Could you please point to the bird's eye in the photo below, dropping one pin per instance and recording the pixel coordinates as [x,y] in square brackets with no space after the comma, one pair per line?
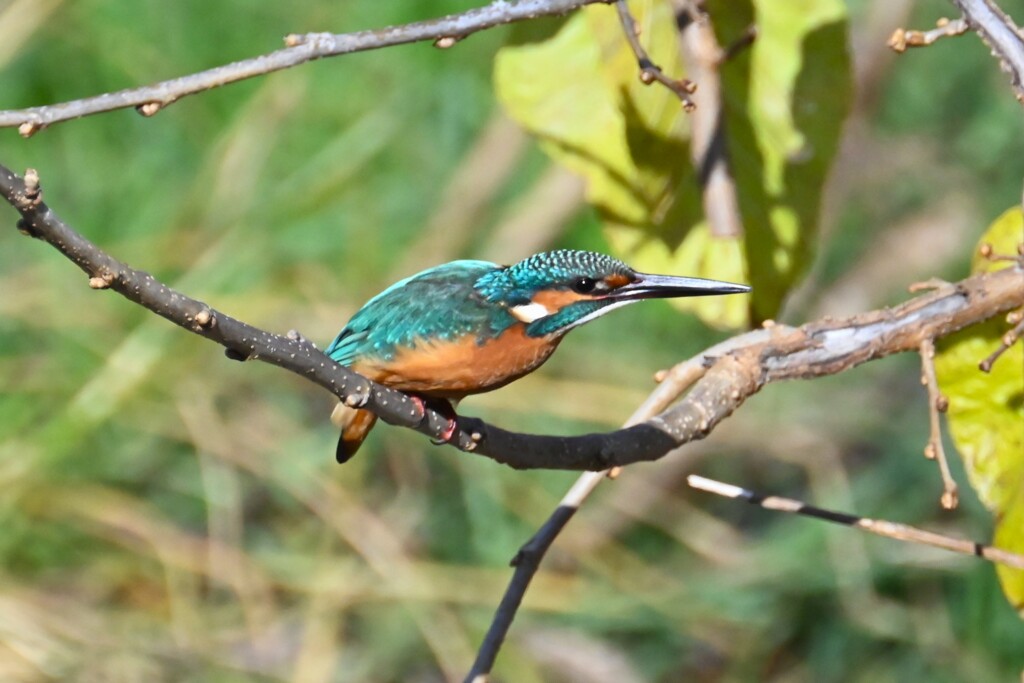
[584,285]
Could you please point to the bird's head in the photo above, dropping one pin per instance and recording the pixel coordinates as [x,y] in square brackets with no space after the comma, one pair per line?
[555,291]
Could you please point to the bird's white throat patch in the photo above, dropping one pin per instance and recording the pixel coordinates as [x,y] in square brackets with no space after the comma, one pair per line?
[528,313]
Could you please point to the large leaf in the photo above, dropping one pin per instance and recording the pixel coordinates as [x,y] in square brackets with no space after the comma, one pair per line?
[784,99]
[986,412]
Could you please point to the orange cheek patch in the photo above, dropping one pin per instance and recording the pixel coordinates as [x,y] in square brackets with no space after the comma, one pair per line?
[556,299]
[617,280]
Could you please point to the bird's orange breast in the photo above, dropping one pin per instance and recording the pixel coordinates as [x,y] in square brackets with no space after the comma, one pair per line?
[456,368]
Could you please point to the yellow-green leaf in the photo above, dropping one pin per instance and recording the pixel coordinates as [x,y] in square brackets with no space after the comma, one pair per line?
[576,88]
[986,412]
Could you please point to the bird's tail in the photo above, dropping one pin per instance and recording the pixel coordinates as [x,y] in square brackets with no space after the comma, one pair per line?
[355,424]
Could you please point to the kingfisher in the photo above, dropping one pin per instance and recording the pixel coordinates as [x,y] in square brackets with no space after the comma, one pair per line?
[469,327]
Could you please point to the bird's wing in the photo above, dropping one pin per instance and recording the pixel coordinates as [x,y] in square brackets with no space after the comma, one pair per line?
[436,304]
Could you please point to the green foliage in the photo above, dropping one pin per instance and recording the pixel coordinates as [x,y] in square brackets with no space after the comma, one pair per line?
[784,101]
[986,411]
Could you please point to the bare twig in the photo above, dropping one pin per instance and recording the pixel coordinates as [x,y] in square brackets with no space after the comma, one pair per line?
[900,532]
[649,71]
[937,403]
[901,38]
[1015,318]
[150,99]
[927,285]
[736,47]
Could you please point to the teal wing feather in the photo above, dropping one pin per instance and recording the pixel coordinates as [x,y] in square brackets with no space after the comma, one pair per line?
[440,303]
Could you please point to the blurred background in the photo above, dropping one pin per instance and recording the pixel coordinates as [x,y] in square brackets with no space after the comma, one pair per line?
[168,515]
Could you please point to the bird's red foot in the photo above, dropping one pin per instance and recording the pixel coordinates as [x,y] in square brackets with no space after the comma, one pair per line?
[447,434]
[444,407]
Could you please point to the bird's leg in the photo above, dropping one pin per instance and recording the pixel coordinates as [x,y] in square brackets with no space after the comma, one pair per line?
[440,405]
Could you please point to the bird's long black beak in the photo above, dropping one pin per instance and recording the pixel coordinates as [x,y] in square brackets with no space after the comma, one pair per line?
[670,286]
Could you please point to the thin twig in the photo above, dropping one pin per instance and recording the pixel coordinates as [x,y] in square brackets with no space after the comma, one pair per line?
[739,45]
[1007,340]
[901,38]
[1015,318]
[150,99]
[937,403]
[900,532]
[649,71]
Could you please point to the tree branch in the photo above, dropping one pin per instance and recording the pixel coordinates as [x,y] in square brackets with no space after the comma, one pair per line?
[150,99]
[1001,34]
[812,350]
[880,527]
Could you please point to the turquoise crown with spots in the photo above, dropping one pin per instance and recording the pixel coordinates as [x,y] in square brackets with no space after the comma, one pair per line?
[560,268]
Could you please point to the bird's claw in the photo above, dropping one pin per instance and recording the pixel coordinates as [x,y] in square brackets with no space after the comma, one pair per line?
[445,408]
[447,434]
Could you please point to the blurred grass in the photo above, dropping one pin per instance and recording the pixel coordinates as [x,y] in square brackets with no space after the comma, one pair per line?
[170,515]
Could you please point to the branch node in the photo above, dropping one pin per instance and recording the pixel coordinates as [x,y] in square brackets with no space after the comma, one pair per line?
[296,336]
[235,354]
[987,252]
[148,109]
[102,281]
[293,40]
[33,192]
[29,128]
[358,398]
[25,228]
[205,319]
[445,42]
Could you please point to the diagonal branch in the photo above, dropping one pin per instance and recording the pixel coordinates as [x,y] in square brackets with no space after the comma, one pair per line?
[812,350]
[1001,34]
[880,527]
[150,99]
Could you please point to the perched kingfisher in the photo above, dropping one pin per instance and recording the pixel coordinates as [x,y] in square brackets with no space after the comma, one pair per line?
[468,327]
